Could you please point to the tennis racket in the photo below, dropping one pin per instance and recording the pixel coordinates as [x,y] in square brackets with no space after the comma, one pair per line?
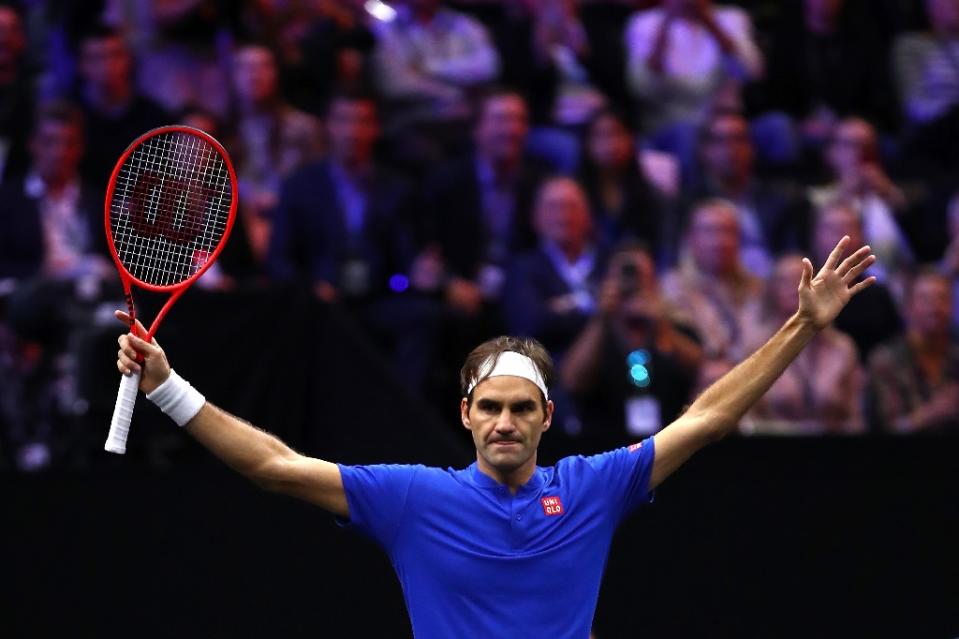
[170,205]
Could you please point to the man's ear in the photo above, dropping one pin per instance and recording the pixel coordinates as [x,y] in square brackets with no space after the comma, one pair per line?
[465,413]
[549,416]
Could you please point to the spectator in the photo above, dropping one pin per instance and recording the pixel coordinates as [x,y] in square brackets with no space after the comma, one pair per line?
[114,111]
[561,44]
[52,221]
[685,58]
[16,101]
[773,216]
[821,391]
[550,292]
[181,47]
[927,74]
[858,177]
[711,287]
[52,248]
[872,316]
[272,139]
[624,204]
[342,226]
[949,265]
[427,62]
[321,46]
[479,204]
[632,368]
[826,62]
[915,377]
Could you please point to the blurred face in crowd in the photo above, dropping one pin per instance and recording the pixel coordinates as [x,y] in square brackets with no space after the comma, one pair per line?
[684,7]
[783,285]
[255,75]
[562,214]
[56,148]
[502,127]
[12,40]
[610,143]
[822,13]
[943,16]
[727,150]
[106,65]
[353,128]
[714,239]
[832,222]
[930,304]
[854,142]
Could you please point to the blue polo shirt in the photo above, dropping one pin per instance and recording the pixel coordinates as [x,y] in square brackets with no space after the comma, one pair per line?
[477,561]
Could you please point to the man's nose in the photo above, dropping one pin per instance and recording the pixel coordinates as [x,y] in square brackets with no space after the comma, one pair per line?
[505,420]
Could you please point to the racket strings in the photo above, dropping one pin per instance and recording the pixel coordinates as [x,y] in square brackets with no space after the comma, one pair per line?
[170,207]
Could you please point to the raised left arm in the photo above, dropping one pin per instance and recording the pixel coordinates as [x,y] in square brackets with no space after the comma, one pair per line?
[717,411]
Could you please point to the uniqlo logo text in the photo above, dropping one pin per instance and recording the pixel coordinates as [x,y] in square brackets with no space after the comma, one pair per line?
[552,506]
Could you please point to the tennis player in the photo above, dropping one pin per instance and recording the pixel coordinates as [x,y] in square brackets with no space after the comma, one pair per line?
[503,548]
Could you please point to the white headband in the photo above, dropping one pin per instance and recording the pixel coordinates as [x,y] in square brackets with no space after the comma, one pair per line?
[510,363]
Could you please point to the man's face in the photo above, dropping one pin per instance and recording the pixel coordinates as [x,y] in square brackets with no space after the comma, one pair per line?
[853,143]
[507,421]
[822,11]
[610,143]
[562,214]
[714,239]
[106,63]
[353,127]
[56,148]
[254,74]
[502,128]
[832,223]
[12,40]
[930,305]
[727,149]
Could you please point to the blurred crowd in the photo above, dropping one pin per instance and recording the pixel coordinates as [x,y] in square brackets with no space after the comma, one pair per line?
[633,183]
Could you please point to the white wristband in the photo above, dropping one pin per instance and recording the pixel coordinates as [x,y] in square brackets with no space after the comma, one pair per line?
[177,398]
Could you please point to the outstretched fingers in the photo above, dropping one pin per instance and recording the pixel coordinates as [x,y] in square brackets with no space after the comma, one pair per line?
[807,272]
[859,286]
[855,269]
[836,253]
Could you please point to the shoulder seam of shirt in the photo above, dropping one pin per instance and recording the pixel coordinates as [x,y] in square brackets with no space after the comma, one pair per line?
[406,496]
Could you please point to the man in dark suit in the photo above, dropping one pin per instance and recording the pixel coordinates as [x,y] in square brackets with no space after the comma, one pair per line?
[53,257]
[114,112]
[551,290]
[343,226]
[773,215]
[52,221]
[479,204]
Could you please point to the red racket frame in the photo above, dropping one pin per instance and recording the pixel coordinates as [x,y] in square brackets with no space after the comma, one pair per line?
[176,290]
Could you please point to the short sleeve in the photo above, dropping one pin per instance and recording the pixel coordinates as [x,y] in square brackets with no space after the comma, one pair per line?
[377,497]
[625,474]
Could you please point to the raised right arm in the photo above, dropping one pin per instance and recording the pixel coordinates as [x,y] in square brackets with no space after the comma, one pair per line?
[252,452]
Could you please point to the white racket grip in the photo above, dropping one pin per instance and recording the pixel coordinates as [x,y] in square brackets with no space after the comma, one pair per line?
[122,414]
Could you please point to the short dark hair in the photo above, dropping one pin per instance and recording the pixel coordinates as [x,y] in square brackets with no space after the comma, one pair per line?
[61,112]
[704,132]
[495,347]
[493,92]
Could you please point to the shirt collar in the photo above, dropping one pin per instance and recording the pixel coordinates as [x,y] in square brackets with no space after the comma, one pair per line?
[481,480]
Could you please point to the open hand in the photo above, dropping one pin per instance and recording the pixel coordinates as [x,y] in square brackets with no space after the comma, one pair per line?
[823,296]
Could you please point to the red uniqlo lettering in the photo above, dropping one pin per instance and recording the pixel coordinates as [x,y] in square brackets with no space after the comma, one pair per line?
[552,506]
